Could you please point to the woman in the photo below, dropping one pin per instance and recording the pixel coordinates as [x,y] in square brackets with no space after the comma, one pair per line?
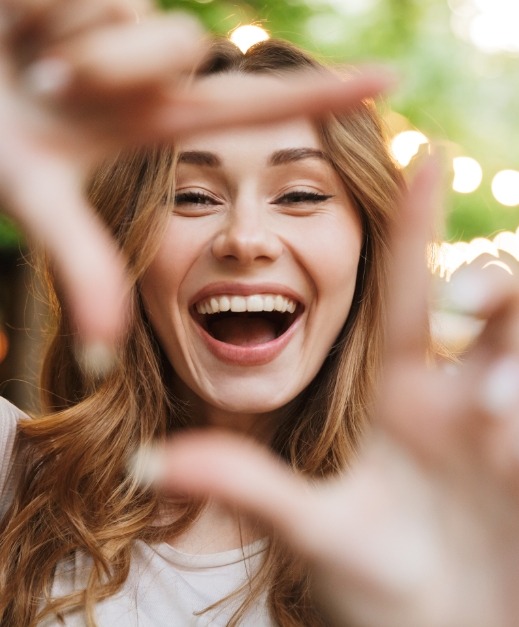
[288,222]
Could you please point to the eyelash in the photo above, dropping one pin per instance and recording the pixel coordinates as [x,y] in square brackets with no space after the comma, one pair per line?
[194,198]
[199,198]
[300,197]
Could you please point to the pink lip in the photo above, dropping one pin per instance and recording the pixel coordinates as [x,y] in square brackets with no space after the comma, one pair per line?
[246,355]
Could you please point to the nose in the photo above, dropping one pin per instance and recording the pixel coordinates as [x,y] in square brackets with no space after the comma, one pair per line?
[246,237]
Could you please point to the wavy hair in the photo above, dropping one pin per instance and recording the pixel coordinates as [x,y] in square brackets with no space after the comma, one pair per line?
[74,493]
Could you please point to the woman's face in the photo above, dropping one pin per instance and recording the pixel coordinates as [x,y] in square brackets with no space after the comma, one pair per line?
[254,278]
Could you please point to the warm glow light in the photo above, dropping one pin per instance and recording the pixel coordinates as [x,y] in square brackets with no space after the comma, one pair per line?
[467,175]
[446,257]
[453,329]
[505,187]
[508,242]
[246,36]
[480,246]
[405,145]
[491,25]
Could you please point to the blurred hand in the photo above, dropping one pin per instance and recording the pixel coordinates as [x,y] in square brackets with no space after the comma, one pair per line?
[81,79]
[423,530]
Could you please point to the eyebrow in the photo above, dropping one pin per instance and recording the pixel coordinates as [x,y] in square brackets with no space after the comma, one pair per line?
[199,157]
[280,157]
[296,154]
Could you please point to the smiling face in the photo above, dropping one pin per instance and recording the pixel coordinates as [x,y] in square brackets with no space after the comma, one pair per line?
[255,275]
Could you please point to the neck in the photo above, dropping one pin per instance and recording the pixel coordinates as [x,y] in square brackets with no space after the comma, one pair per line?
[218,528]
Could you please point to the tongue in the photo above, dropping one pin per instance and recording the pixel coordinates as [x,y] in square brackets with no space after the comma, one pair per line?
[243,331]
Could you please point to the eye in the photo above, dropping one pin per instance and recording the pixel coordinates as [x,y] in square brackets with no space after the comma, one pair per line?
[195,203]
[301,196]
[194,198]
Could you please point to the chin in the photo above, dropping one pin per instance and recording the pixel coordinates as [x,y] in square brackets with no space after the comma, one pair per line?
[249,404]
[250,399]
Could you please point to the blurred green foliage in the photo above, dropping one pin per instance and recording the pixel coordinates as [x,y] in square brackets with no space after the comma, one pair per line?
[461,98]
[10,236]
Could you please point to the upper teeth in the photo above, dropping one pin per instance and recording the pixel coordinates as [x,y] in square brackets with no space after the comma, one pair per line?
[255,302]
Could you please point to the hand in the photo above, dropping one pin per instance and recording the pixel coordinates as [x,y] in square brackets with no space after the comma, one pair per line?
[423,530]
[82,79]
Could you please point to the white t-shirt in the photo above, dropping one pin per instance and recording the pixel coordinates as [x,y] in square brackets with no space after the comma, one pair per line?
[165,587]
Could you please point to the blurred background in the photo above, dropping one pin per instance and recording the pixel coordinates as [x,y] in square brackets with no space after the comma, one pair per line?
[459,63]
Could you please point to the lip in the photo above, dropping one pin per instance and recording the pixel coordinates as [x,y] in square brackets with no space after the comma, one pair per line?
[246,355]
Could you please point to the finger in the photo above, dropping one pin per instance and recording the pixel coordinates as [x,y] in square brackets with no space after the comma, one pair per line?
[409,278]
[488,292]
[493,360]
[238,471]
[59,18]
[69,18]
[233,100]
[50,206]
[109,62]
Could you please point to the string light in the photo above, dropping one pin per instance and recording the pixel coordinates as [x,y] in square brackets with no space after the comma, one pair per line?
[405,145]
[247,35]
[447,257]
[490,25]
[467,175]
[505,187]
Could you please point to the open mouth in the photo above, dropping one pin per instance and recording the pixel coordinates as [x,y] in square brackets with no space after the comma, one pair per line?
[246,320]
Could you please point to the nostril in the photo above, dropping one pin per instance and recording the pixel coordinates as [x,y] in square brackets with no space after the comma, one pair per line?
[247,244]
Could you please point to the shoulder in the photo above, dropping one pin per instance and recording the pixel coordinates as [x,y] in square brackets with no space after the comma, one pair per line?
[10,411]
[9,417]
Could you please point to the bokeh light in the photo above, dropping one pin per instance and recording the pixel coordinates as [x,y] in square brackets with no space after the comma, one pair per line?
[491,25]
[246,36]
[446,257]
[505,187]
[454,329]
[405,146]
[508,242]
[467,175]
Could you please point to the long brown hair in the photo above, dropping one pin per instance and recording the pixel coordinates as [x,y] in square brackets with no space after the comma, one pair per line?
[74,492]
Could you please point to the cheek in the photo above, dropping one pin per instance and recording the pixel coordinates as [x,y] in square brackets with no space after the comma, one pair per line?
[333,259]
[332,253]
[180,247]
[162,281]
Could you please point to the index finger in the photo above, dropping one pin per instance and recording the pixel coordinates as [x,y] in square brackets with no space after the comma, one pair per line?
[409,277]
[50,205]
[235,100]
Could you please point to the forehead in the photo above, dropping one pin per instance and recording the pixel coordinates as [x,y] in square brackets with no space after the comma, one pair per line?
[256,141]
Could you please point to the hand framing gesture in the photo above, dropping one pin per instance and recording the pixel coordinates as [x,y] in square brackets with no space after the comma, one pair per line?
[81,80]
[423,530]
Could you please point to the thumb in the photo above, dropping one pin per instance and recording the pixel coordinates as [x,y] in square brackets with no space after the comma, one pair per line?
[50,205]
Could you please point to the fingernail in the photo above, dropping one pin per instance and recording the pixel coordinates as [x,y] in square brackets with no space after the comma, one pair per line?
[499,394]
[48,78]
[467,292]
[146,465]
[96,359]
